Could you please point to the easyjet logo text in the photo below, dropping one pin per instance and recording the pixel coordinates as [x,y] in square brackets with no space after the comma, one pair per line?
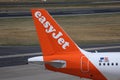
[49,29]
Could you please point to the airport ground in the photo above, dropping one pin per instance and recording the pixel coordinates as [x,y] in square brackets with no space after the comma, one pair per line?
[84,29]
[25,5]
[18,55]
[37,72]
[32,72]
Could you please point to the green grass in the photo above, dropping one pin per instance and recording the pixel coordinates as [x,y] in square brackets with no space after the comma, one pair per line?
[98,28]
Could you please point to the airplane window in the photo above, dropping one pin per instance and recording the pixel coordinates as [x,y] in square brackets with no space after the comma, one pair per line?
[112,64]
[104,64]
[116,64]
[108,64]
[100,64]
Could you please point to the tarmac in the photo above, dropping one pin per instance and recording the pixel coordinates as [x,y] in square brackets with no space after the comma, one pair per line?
[62,12]
[32,72]
[38,72]
[18,55]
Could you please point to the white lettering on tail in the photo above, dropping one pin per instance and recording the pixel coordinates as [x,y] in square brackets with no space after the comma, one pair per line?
[50,29]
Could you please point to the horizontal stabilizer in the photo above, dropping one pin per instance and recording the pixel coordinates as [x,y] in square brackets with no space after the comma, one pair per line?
[54,63]
[58,63]
[36,60]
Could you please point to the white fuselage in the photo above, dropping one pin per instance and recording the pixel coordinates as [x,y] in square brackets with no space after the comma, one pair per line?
[108,63]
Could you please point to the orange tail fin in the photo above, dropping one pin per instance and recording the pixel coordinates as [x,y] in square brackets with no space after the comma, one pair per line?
[51,36]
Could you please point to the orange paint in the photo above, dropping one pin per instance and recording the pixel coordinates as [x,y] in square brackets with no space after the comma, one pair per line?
[57,45]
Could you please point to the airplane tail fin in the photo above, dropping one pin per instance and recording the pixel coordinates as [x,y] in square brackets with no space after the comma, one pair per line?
[52,37]
[60,53]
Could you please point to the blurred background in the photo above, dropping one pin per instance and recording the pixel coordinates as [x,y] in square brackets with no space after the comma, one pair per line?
[93,24]
[89,21]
